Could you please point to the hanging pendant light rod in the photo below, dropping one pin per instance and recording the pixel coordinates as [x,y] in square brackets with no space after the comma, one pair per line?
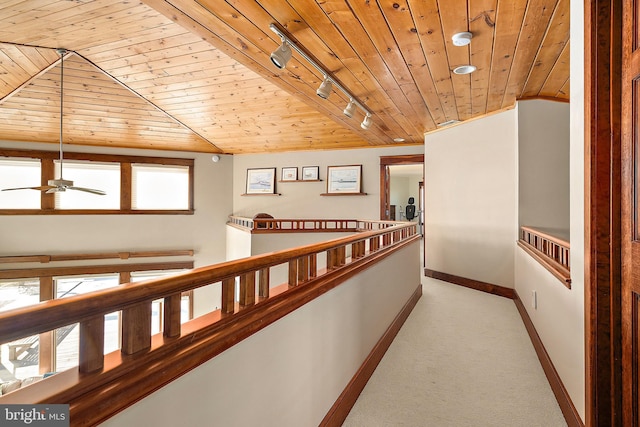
[326,75]
[62,52]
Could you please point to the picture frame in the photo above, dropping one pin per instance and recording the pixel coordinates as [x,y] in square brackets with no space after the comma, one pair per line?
[311,173]
[289,174]
[261,181]
[344,179]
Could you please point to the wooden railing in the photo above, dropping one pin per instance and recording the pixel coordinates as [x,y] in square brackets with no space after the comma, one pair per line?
[102,385]
[44,259]
[550,251]
[280,225]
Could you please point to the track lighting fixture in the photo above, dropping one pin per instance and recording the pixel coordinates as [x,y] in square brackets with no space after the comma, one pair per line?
[282,55]
[366,122]
[325,88]
[350,109]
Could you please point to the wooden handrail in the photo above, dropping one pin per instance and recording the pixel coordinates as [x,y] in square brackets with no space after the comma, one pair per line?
[43,259]
[99,379]
[551,252]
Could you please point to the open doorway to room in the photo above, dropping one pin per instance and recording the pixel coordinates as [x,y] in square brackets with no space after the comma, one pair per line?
[402,185]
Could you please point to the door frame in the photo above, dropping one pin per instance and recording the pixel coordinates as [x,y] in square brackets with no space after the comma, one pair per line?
[603,194]
[385,162]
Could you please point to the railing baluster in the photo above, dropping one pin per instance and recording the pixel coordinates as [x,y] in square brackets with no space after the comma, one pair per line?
[91,351]
[303,269]
[248,288]
[172,312]
[136,328]
[263,283]
[331,259]
[228,295]
[374,243]
[293,272]
[313,265]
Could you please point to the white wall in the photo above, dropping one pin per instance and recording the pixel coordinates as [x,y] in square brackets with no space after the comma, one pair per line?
[470,199]
[577,208]
[302,199]
[543,152]
[290,373]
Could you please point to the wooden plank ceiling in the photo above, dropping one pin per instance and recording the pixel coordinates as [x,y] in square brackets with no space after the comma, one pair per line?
[195,75]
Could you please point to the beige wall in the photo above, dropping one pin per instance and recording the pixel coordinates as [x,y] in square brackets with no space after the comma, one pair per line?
[290,373]
[543,169]
[303,199]
[470,199]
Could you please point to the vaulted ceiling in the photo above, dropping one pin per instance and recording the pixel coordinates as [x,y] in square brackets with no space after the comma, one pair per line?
[196,75]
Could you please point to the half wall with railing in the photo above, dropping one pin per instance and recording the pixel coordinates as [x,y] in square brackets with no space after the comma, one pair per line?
[383,261]
[550,251]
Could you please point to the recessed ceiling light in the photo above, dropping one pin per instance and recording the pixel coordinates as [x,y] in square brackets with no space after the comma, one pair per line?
[462,39]
[464,69]
[398,139]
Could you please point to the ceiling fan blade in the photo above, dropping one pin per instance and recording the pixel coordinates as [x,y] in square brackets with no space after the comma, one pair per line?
[89,190]
[41,188]
[54,190]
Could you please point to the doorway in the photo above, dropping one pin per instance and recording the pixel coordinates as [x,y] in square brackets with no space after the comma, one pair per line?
[402,181]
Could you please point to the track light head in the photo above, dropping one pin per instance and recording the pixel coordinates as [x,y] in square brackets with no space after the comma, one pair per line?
[281,55]
[366,122]
[350,109]
[325,89]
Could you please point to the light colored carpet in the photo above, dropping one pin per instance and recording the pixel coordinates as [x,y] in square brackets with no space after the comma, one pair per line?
[463,358]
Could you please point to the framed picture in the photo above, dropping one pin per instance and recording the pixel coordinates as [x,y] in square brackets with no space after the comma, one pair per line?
[289,174]
[310,173]
[261,181]
[344,179]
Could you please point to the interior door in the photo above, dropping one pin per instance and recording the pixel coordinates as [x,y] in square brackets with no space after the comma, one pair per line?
[631,213]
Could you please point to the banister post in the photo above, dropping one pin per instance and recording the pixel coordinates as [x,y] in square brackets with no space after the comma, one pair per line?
[313,265]
[263,283]
[331,259]
[172,312]
[136,328]
[303,269]
[293,273]
[228,297]
[91,346]
[248,288]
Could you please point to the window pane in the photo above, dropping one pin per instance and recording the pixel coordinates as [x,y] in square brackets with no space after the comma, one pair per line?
[99,176]
[18,173]
[160,187]
[67,338]
[19,358]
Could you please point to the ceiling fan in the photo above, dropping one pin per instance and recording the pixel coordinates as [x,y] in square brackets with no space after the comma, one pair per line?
[60,184]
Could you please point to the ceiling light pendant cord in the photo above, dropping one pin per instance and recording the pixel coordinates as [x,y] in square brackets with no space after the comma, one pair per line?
[62,52]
